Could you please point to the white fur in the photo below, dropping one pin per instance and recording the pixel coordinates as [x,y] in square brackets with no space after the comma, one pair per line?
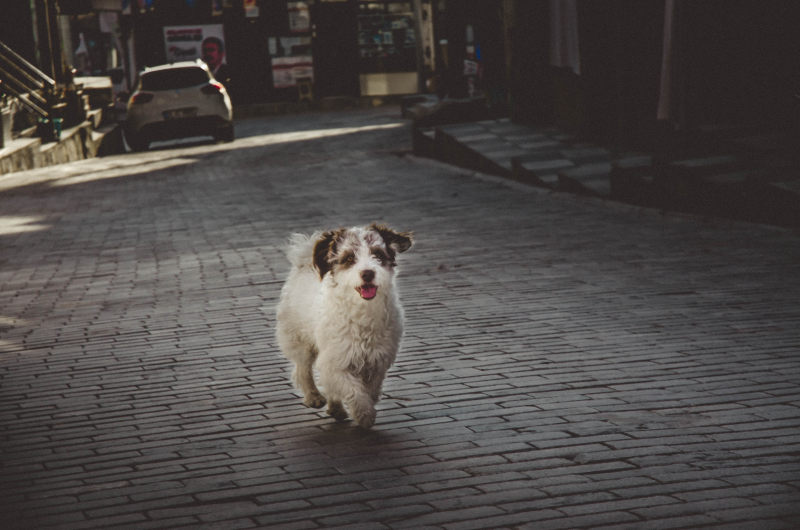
[325,322]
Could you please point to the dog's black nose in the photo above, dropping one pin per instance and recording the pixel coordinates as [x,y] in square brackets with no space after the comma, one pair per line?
[367,275]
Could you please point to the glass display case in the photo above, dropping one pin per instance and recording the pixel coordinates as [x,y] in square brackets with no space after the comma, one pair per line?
[386,37]
[387,46]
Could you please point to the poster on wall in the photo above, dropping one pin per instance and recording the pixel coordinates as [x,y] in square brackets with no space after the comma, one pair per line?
[250,9]
[299,17]
[291,60]
[187,43]
[287,70]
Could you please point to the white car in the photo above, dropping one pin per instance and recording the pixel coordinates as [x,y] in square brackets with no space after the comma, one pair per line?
[178,100]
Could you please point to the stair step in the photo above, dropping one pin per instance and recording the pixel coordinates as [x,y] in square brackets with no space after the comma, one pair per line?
[587,178]
[546,165]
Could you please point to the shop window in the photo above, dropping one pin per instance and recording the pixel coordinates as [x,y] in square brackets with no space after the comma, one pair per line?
[386,37]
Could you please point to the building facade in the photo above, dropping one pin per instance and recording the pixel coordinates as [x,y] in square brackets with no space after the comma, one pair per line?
[630,71]
[339,47]
[625,72]
[622,71]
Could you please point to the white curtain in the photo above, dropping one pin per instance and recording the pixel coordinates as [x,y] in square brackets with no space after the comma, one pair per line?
[665,90]
[564,50]
[670,97]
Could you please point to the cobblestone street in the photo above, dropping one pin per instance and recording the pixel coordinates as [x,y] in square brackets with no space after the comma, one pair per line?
[567,362]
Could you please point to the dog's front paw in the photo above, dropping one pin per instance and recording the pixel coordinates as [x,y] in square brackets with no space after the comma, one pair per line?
[336,411]
[315,400]
[365,418]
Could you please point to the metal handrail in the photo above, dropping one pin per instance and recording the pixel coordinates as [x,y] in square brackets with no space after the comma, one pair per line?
[12,82]
[17,57]
[25,99]
[22,74]
[32,87]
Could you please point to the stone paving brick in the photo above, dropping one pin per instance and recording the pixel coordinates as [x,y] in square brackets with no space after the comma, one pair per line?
[447,516]
[688,521]
[567,362]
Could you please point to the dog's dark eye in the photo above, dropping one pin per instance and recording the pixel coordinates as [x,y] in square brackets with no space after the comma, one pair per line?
[348,259]
[380,255]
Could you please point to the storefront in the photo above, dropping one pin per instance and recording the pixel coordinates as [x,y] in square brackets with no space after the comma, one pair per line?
[273,48]
[361,47]
[387,48]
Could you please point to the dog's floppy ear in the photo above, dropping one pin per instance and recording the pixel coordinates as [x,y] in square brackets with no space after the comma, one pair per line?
[324,248]
[397,241]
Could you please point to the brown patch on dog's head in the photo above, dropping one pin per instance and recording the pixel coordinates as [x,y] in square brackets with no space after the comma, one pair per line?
[396,242]
[337,249]
[325,249]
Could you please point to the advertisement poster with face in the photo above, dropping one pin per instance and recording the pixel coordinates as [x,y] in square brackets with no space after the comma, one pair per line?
[187,43]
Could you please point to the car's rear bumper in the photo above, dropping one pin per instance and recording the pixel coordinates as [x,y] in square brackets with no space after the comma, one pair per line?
[179,128]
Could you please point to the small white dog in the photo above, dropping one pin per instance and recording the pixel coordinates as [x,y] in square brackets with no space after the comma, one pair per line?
[339,309]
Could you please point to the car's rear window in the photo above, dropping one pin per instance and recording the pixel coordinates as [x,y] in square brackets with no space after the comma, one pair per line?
[173,78]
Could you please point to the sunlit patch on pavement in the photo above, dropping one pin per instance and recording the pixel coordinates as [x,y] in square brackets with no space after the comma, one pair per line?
[18,224]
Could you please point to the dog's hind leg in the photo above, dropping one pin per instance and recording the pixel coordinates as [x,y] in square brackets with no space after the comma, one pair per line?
[303,377]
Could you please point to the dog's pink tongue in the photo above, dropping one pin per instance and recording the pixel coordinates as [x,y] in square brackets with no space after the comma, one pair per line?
[368,292]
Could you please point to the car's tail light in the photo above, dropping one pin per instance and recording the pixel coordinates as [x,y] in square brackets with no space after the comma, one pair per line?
[212,88]
[141,97]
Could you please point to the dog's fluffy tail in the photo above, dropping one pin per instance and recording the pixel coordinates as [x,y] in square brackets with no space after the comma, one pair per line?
[300,249]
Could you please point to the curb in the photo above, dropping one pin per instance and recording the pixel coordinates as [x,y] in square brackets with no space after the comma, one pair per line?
[76,143]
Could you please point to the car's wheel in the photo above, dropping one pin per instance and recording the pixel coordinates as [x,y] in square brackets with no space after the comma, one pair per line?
[138,142]
[225,133]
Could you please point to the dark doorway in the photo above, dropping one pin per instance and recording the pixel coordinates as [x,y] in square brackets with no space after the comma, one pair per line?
[335,49]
